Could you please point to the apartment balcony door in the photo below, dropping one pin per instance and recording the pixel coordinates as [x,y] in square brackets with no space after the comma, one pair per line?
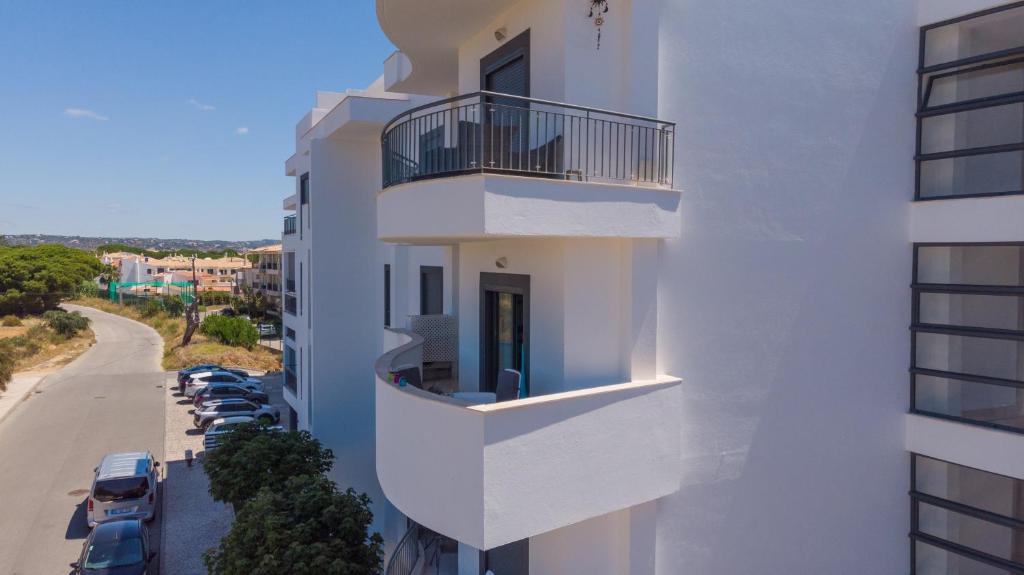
[506,121]
[504,328]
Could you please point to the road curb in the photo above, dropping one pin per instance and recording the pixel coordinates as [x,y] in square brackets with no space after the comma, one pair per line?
[24,396]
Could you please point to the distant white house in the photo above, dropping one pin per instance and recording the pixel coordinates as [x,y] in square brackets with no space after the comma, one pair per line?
[614,288]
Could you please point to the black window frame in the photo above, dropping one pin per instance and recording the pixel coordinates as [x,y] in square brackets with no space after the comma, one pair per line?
[916,535]
[926,76]
[387,295]
[917,327]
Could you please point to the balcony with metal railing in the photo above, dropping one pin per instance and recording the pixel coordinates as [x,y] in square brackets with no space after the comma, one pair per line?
[495,165]
[289,225]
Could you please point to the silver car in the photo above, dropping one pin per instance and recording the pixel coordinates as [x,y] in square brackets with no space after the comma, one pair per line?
[124,487]
[225,425]
[215,409]
[201,379]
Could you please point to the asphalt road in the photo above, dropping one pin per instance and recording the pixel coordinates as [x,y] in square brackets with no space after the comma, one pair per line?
[109,399]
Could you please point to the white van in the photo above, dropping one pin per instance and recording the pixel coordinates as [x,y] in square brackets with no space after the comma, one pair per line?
[124,488]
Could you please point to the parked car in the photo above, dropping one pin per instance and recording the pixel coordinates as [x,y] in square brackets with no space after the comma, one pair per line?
[228,312]
[225,425]
[225,390]
[124,487]
[116,548]
[184,373]
[267,329]
[215,409]
[202,378]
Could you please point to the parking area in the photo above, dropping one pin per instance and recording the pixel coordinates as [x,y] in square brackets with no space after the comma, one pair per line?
[193,522]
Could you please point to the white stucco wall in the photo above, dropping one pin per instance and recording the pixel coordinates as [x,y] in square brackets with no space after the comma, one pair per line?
[785,303]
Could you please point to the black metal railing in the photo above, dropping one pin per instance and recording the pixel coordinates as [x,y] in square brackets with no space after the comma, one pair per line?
[491,132]
[289,285]
[289,225]
[407,553]
[290,304]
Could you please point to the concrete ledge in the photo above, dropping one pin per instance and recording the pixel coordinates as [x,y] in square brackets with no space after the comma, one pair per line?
[987,449]
[491,206]
[986,219]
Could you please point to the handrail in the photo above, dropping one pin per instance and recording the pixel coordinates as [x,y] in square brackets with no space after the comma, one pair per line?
[406,554]
[492,132]
[480,93]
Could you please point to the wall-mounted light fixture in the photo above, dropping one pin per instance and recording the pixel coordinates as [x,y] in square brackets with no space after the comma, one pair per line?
[501,262]
[500,34]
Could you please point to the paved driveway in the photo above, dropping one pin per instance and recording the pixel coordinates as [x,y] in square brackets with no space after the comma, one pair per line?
[109,399]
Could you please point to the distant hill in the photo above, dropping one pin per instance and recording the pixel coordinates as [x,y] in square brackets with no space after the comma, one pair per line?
[157,244]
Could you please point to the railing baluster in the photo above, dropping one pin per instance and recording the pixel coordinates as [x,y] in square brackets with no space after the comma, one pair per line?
[484,131]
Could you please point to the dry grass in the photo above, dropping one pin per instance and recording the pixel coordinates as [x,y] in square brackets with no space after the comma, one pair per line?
[56,352]
[201,350]
[26,323]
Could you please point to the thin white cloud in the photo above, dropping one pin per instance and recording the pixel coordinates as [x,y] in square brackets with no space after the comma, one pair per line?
[200,106]
[84,113]
[242,131]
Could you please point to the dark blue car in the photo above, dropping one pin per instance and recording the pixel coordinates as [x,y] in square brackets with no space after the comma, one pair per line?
[116,548]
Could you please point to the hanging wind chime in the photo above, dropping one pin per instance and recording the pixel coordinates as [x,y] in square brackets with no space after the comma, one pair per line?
[599,7]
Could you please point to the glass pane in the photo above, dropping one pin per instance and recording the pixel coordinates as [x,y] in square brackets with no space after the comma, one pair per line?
[990,538]
[973,128]
[931,560]
[971,85]
[971,400]
[972,175]
[972,487]
[972,310]
[1001,358]
[506,331]
[982,35]
[1000,265]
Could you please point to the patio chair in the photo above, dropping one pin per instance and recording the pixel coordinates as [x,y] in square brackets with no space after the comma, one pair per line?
[509,384]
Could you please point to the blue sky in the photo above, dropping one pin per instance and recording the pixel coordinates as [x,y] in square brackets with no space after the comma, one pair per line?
[165,118]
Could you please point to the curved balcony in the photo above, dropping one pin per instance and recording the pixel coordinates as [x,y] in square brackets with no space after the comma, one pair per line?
[488,165]
[500,133]
[492,474]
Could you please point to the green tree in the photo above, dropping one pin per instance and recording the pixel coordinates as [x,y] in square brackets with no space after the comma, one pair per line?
[307,527]
[251,458]
[35,279]
[230,330]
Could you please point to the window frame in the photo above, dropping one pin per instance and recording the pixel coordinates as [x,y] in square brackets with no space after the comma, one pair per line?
[917,327]
[916,535]
[927,74]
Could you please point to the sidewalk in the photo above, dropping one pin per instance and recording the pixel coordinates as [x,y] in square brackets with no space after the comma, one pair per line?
[19,389]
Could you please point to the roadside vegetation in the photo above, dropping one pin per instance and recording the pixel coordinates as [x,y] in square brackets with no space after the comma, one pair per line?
[33,343]
[289,517]
[167,320]
[35,279]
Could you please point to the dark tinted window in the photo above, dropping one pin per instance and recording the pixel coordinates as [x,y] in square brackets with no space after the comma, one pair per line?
[122,488]
[111,554]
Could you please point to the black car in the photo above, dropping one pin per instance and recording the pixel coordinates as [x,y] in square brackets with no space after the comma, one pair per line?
[116,548]
[225,390]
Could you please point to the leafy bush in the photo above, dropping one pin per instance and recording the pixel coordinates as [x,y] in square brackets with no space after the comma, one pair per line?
[6,367]
[251,458]
[305,527]
[230,330]
[11,321]
[15,348]
[151,308]
[65,323]
[34,279]
[173,305]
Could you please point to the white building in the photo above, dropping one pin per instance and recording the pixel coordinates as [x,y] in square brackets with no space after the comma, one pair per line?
[700,232]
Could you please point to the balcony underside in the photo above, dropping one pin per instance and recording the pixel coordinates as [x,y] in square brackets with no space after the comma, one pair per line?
[492,206]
